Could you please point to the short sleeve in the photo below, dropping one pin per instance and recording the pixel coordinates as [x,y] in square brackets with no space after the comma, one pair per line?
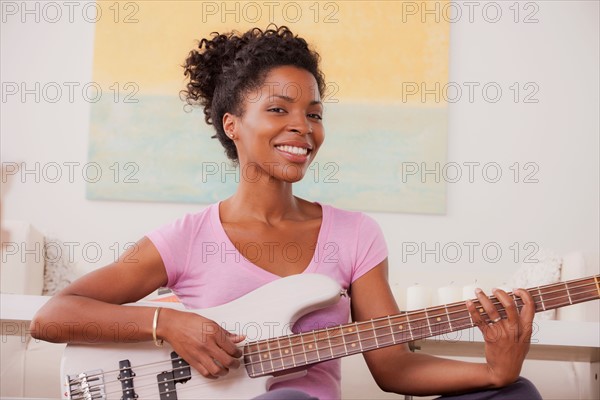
[371,248]
[173,242]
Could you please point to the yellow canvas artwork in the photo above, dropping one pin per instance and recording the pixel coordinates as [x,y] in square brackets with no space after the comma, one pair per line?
[385,115]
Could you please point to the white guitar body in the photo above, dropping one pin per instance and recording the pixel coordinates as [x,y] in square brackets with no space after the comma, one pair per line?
[270,311]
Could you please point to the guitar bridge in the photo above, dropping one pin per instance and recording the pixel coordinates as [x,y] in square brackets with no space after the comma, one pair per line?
[86,386]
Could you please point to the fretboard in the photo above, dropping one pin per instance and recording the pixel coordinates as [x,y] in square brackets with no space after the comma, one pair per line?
[278,354]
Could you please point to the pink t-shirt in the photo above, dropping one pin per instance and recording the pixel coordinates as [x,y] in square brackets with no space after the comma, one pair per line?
[205,269]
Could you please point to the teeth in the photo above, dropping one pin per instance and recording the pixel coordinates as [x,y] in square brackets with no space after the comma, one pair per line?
[294,150]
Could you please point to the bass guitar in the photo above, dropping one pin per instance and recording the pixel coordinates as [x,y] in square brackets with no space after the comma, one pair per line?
[142,370]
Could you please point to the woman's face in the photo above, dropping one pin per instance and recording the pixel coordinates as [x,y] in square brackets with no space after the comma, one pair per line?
[281,128]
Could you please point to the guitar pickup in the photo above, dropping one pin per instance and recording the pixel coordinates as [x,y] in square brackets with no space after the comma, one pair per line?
[126,378]
[181,369]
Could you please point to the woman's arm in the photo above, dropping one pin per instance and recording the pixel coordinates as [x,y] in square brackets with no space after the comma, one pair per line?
[90,310]
[396,369]
[91,305]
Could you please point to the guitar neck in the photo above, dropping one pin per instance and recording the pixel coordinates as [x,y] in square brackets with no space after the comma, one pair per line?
[274,355]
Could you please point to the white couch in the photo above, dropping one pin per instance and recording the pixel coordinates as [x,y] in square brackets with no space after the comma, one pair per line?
[28,367]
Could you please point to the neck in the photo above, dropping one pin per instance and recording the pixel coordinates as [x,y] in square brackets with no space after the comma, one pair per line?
[265,199]
[278,354]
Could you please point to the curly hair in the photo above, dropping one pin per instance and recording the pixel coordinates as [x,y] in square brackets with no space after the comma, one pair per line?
[226,67]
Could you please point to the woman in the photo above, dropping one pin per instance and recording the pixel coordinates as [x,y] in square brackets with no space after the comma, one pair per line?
[262,93]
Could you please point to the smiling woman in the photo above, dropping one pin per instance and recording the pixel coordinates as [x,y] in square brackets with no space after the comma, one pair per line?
[277,133]
[262,93]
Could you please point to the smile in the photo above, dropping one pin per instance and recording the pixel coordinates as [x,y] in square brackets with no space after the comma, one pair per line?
[300,151]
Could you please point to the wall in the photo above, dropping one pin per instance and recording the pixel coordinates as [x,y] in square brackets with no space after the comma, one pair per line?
[558,55]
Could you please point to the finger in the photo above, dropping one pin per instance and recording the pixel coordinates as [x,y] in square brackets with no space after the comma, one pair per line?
[214,367]
[528,310]
[510,308]
[488,307]
[197,364]
[476,316]
[224,360]
[236,338]
[227,343]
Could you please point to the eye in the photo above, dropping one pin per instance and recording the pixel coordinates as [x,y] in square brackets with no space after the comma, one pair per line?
[316,116]
[276,109]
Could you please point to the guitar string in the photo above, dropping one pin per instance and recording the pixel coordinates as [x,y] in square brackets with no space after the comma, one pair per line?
[138,387]
[322,340]
[443,307]
[221,379]
[437,308]
[266,371]
[138,376]
[358,332]
[245,364]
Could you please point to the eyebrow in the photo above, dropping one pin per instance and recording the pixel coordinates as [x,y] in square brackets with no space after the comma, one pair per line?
[291,100]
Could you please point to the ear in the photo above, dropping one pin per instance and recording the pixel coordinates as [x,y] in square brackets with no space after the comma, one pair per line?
[229,124]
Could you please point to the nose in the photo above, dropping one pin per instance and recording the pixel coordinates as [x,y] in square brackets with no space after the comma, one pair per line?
[301,125]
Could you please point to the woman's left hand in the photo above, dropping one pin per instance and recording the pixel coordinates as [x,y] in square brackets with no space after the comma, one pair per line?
[506,340]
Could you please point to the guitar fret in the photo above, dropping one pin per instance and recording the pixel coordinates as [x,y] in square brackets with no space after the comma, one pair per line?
[269,355]
[448,317]
[327,344]
[568,294]
[395,328]
[428,322]
[343,335]
[282,359]
[541,299]
[420,325]
[248,358]
[337,343]
[359,338]
[367,336]
[381,329]
[375,333]
[250,355]
[291,350]
[316,346]
[470,318]
[353,337]
[389,320]
[255,358]
[303,351]
[409,327]
[306,352]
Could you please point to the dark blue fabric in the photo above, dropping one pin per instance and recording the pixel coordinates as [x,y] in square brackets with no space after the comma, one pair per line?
[285,394]
[522,389]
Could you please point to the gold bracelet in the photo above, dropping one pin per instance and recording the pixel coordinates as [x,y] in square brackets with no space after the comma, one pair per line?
[154,323]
